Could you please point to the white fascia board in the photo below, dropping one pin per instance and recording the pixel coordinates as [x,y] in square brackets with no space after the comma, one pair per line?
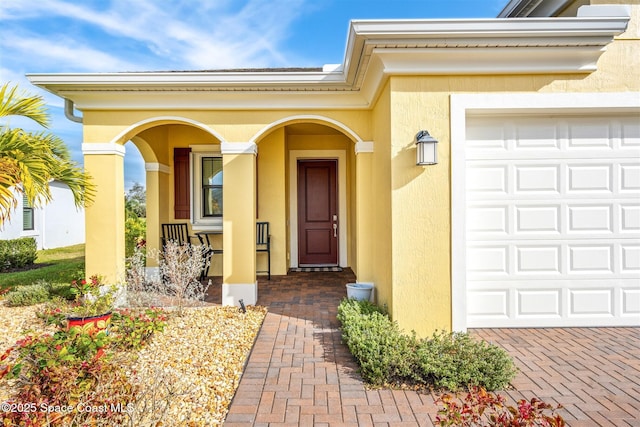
[207,100]
[181,79]
[190,81]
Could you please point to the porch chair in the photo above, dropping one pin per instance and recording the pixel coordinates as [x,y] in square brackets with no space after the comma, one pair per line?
[263,244]
[179,232]
[206,241]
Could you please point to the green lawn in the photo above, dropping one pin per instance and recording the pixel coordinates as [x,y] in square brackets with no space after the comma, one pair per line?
[59,265]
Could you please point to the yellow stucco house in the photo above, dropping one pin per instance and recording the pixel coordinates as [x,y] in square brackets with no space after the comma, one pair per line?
[530,217]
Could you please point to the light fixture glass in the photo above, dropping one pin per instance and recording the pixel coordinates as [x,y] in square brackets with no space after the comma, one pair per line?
[427,149]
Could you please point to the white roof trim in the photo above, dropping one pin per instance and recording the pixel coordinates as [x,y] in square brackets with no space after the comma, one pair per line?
[375,49]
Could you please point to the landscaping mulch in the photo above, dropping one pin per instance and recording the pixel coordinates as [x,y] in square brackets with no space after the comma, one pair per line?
[188,374]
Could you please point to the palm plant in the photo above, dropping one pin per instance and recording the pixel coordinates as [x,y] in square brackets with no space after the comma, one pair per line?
[30,160]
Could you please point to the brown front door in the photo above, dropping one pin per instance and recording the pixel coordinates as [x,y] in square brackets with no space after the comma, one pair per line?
[317,212]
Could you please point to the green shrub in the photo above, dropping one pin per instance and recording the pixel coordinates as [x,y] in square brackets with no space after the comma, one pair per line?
[135,231]
[454,360]
[382,352]
[17,253]
[27,295]
[446,360]
[38,292]
[63,290]
[133,329]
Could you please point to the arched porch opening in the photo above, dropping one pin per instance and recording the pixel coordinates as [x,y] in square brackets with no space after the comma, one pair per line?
[157,140]
[295,156]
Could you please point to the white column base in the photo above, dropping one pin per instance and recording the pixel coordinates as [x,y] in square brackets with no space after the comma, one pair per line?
[233,293]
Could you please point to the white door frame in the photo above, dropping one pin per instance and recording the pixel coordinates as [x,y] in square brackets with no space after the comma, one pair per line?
[341,157]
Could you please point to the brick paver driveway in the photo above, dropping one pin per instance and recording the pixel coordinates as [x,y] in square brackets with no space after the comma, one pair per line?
[300,374]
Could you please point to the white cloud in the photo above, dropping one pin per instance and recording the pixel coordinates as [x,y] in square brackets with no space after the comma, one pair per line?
[58,53]
[172,34]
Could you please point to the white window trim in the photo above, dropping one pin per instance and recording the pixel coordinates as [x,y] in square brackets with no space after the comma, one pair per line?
[198,222]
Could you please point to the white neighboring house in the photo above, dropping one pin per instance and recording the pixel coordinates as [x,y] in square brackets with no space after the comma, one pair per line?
[54,225]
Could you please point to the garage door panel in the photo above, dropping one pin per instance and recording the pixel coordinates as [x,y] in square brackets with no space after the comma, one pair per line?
[588,133]
[483,260]
[630,218]
[630,178]
[630,133]
[630,258]
[538,259]
[537,178]
[593,258]
[485,179]
[590,218]
[488,219]
[630,302]
[491,303]
[539,303]
[591,302]
[537,219]
[536,135]
[594,179]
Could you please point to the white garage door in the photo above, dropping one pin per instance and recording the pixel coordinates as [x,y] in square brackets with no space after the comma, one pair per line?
[553,221]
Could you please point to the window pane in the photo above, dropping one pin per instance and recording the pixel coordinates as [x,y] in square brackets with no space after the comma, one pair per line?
[211,186]
[212,201]
[211,171]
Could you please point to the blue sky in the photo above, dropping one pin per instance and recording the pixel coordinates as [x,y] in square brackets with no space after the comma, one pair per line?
[58,36]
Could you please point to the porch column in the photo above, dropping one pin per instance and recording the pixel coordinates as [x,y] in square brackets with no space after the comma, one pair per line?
[365,235]
[157,183]
[239,223]
[104,219]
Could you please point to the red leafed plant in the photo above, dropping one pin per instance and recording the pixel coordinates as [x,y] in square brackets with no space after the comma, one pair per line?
[481,408]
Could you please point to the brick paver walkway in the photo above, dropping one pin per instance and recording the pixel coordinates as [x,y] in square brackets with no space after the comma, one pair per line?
[300,374]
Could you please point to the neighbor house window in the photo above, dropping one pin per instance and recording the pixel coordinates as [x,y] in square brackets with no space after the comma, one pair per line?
[27,214]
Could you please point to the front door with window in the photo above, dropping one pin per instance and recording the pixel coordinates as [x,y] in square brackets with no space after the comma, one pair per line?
[317,212]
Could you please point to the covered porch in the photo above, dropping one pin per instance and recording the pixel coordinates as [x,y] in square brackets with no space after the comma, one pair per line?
[308,177]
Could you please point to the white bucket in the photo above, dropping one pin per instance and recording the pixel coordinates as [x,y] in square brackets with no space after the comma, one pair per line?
[360,291]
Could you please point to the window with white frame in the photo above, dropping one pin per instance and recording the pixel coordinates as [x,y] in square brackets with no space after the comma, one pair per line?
[207,190]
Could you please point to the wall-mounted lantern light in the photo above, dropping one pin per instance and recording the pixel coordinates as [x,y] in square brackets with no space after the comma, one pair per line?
[427,149]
